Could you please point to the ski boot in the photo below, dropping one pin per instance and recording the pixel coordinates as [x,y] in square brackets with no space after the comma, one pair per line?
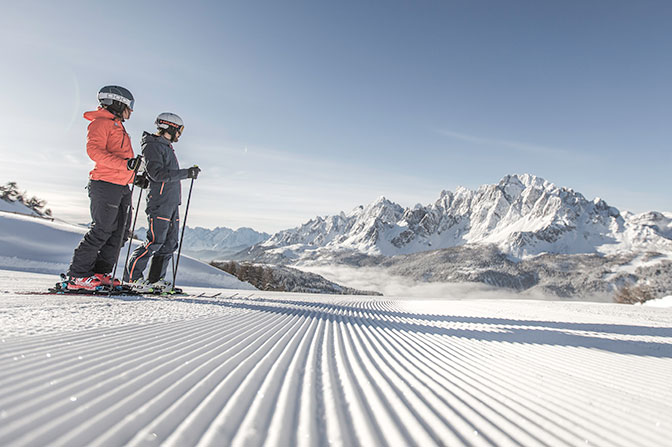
[141,285]
[107,280]
[165,287]
[90,283]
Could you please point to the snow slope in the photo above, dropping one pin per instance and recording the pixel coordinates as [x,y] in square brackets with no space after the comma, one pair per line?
[16,207]
[40,245]
[253,368]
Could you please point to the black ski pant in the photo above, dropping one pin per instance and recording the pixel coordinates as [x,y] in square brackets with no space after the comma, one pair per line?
[162,241]
[98,250]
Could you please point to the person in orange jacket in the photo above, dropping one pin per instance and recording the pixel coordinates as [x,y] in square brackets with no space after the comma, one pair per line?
[109,146]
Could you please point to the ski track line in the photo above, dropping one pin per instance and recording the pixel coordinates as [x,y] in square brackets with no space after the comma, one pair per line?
[385,426]
[147,416]
[477,430]
[427,405]
[422,397]
[56,355]
[146,410]
[311,404]
[89,389]
[284,415]
[593,384]
[152,343]
[358,371]
[140,383]
[338,422]
[566,395]
[439,359]
[251,429]
[220,413]
[275,396]
[456,378]
[389,388]
[462,379]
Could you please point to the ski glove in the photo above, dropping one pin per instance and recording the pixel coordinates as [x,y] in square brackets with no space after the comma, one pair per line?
[141,181]
[133,164]
[193,171]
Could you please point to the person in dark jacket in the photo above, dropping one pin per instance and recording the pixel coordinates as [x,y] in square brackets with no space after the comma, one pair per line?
[163,200]
[109,146]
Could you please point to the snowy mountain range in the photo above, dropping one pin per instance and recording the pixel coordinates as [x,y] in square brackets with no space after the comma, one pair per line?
[523,233]
[522,215]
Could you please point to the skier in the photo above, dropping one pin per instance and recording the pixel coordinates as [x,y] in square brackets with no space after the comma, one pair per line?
[109,146]
[163,200]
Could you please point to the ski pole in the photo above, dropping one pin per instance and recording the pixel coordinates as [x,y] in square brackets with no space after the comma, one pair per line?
[129,210]
[172,263]
[130,242]
[184,226]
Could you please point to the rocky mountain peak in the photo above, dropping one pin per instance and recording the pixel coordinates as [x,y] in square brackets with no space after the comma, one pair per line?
[384,210]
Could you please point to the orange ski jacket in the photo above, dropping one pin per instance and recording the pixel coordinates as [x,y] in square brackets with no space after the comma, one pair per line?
[109,146]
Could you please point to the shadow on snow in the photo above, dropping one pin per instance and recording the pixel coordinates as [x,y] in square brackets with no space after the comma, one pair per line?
[550,333]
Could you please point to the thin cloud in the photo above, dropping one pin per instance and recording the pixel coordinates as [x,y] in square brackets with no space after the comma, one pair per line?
[534,149]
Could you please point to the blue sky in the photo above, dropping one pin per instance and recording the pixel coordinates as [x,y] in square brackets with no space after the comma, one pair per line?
[298,109]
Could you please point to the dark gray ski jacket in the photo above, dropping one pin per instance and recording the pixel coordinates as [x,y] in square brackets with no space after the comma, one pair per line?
[163,170]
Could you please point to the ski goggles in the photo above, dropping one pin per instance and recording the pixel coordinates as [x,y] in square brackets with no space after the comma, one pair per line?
[180,129]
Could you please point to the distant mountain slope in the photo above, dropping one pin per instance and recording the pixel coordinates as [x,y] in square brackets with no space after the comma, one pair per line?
[285,279]
[218,243]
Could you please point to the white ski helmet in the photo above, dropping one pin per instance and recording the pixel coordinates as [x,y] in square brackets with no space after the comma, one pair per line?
[115,98]
[170,122]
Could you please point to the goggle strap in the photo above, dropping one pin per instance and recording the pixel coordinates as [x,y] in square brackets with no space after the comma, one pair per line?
[173,125]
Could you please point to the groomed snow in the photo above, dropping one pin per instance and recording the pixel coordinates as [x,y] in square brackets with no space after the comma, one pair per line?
[253,368]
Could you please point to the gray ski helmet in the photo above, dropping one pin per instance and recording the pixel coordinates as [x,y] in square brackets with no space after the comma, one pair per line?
[115,98]
[170,122]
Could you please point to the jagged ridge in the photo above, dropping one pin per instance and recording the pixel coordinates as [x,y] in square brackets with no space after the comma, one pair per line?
[522,215]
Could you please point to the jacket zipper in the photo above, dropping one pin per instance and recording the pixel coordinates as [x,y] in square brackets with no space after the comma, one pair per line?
[123,135]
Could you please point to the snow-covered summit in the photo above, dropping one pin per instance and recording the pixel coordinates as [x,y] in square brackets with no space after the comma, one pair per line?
[523,215]
[362,229]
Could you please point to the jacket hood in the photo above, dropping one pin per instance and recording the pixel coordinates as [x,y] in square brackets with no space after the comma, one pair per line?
[99,113]
[152,138]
